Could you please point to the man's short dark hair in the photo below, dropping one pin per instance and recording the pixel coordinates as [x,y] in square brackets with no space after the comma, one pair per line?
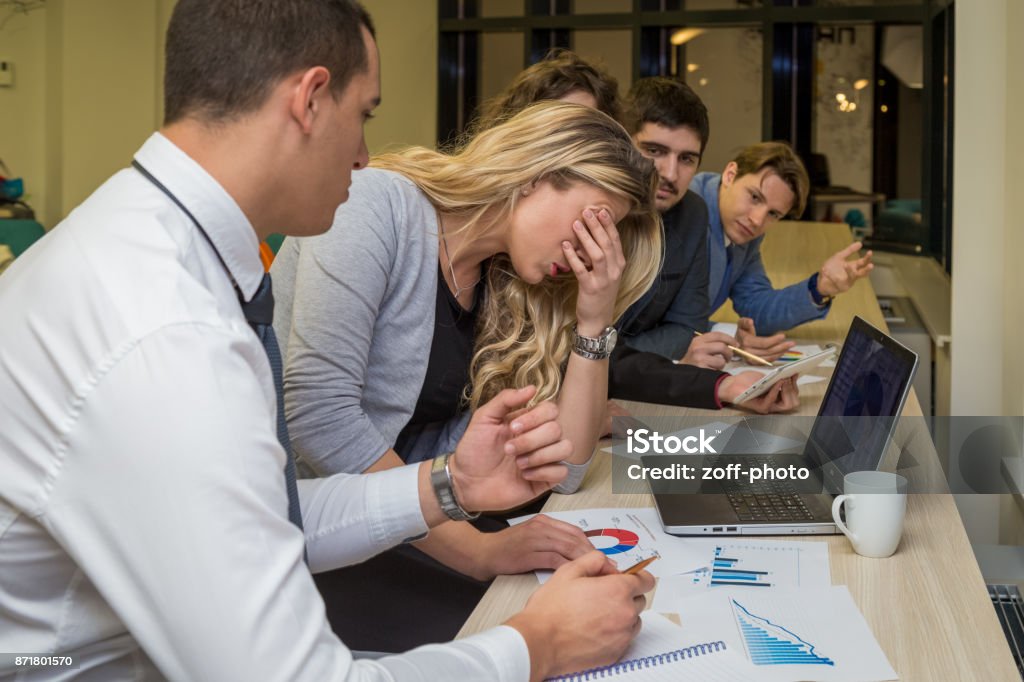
[224,56]
[669,102]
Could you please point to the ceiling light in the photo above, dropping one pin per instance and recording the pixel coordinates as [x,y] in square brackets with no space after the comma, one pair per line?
[684,35]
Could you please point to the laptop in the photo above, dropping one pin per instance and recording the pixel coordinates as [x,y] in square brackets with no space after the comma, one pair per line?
[851,431]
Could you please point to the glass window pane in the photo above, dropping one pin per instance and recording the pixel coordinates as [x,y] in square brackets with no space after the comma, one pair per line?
[501,58]
[843,111]
[723,4]
[863,3]
[723,66]
[602,6]
[612,49]
[501,8]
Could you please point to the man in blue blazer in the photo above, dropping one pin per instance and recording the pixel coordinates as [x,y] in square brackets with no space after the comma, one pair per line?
[764,184]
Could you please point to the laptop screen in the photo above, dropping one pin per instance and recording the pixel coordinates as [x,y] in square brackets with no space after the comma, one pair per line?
[863,401]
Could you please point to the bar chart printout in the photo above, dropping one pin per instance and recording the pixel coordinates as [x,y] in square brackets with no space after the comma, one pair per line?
[770,643]
[755,564]
[729,570]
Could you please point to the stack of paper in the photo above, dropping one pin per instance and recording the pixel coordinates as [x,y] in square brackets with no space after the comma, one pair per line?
[770,600]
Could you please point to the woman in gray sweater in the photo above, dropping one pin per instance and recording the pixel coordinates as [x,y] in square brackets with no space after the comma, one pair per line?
[447,278]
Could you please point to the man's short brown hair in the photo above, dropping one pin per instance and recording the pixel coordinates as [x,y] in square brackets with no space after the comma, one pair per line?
[224,56]
[783,162]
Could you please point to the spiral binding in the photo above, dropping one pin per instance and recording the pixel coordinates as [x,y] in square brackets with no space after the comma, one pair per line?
[640,663]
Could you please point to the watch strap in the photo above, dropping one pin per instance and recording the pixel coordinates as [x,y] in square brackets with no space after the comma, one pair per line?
[593,348]
[444,490]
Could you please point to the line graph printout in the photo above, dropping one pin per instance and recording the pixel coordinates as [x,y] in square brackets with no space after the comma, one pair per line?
[747,564]
[629,535]
[814,634]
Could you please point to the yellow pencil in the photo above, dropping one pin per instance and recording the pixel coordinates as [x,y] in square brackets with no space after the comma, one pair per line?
[637,567]
[744,354]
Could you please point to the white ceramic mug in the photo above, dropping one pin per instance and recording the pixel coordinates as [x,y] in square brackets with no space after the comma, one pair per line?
[876,502]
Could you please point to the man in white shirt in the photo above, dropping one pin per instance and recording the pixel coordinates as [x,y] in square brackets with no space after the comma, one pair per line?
[144,525]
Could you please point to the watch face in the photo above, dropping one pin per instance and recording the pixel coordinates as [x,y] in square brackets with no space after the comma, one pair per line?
[610,339]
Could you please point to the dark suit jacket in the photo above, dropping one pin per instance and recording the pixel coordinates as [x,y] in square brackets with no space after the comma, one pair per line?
[664,319]
[658,328]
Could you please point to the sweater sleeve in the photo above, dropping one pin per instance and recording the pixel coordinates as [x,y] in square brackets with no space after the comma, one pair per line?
[772,309]
[344,403]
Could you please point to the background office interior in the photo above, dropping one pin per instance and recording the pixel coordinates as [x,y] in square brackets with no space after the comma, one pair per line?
[913,99]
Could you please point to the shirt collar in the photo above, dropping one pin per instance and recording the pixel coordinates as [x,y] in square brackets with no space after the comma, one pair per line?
[220,216]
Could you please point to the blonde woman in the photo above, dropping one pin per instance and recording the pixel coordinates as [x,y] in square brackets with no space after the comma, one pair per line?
[449,277]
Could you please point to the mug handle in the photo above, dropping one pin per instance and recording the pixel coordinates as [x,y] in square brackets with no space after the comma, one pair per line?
[836,504]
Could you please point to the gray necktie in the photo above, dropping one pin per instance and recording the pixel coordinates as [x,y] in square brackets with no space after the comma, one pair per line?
[259,313]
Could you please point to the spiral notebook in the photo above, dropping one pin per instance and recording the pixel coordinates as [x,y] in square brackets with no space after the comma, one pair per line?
[707,662]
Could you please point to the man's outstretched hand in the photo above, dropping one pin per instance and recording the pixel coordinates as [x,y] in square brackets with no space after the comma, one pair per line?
[838,274]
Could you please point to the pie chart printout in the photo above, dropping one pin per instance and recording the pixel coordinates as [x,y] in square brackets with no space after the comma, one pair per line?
[613,540]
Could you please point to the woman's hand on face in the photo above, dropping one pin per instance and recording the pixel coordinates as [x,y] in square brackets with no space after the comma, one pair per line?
[598,285]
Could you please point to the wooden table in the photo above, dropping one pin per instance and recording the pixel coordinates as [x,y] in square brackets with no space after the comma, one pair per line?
[927,605]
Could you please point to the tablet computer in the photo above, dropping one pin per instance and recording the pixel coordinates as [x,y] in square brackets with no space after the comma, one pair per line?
[779,373]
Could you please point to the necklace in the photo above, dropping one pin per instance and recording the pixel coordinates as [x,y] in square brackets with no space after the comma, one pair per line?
[451,268]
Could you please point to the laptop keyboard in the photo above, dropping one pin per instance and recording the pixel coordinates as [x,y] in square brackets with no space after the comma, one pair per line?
[770,501]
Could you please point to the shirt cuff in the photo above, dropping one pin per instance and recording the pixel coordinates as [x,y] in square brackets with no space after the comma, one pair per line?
[507,650]
[718,401]
[393,499]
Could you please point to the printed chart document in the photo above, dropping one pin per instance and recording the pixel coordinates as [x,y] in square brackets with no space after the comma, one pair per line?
[660,652]
[631,534]
[749,565]
[813,634]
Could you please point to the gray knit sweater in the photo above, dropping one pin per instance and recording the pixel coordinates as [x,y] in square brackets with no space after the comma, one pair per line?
[354,316]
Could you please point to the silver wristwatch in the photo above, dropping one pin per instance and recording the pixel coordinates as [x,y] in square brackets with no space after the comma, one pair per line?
[594,348]
[441,481]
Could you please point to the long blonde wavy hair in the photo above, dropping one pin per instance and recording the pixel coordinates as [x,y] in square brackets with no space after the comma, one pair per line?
[524,331]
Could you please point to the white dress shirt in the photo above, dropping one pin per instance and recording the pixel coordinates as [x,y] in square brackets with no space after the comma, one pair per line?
[143,513]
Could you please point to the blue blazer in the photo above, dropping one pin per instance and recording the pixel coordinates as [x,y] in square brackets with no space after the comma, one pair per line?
[745,281]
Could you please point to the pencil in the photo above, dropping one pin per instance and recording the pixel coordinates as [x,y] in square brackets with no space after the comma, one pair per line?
[637,567]
[744,354]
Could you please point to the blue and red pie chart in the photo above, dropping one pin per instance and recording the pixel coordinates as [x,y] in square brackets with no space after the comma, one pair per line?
[613,540]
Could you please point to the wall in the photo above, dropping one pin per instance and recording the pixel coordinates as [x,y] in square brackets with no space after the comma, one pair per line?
[727,77]
[986,377]
[1013,310]
[109,90]
[407,38]
[22,137]
[89,90]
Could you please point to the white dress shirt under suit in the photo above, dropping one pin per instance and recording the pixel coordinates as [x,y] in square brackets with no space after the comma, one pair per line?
[143,513]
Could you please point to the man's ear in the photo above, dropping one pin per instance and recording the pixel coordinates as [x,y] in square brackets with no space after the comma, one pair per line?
[729,174]
[308,96]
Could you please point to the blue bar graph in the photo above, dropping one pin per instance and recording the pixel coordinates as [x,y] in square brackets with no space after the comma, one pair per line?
[724,572]
[771,644]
